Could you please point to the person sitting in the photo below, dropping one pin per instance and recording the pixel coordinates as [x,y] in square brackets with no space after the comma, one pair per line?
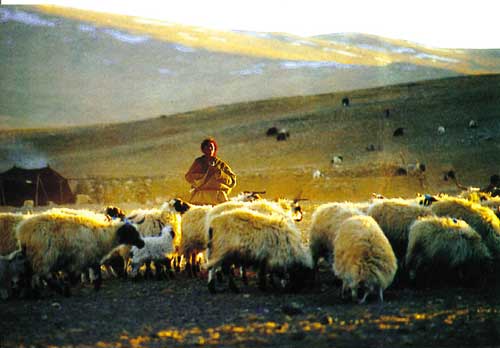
[210,177]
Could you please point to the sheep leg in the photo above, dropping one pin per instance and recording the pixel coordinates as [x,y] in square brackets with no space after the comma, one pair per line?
[148,272]
[354,293]
[243,274]
[98,277]
[381,294]
[158,270]
[55,285]
[177,264]
[367,292]
[211,281]
[232,285]
[261,276]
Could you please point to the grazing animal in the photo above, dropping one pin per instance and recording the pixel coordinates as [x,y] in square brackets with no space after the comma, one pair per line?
[363,257]
[446,251]
[282,135]
[72,243]
[8,223]
[13,269]
[250,238]
[345,101]
[156,249]
[399,132]
[325,223]
[480,218]
[472,124]
[441,130]
[337,159]
[272,131]
[395,216]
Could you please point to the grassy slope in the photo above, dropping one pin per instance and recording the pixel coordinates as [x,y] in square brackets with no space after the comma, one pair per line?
[319,127]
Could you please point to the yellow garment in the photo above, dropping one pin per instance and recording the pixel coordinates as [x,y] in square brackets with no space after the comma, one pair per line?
[210,183]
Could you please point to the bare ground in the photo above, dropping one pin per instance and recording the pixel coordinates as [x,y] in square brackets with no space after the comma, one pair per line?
[181,312]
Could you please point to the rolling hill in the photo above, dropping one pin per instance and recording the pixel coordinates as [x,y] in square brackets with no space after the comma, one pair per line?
[62,67]
[161,149]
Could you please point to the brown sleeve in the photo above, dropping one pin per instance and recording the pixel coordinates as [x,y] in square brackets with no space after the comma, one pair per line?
[195,173]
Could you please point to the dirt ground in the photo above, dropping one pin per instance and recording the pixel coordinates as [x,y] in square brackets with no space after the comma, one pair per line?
[180,312]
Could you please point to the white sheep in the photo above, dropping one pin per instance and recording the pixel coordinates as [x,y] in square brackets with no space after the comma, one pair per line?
[441,130]
[363,257]
[156,249]
[325,222]
[395,217]
[482,219]
[8,223]
[149,222]
[444,250]
[12,269]
[72,243]
[268,241]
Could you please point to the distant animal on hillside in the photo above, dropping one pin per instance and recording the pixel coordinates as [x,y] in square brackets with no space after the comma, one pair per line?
[399,132]
[472,124]
[387,112]
[337,159]
[272,131]
[282,135]
[441,130]
[345,101]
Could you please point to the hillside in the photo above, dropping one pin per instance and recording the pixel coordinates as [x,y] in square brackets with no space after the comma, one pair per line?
[61,67]
[163,148]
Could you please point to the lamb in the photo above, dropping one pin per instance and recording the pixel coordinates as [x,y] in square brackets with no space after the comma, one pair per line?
[444,250]
[480,218]
[8,223]
[325,222]
[363,257]
[155,250]
[395,217]
[12,270]
[149,222]
[268,241]
[56,241]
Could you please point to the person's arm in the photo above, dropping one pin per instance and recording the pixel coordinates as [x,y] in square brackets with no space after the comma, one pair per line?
[226,176]
[196,175]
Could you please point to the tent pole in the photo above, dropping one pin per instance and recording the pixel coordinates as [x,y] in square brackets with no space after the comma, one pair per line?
[3,193]
[36,190]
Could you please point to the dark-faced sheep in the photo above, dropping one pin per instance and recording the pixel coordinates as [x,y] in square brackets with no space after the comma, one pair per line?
[444,251]
[399,132]
[71,243]
[13,268]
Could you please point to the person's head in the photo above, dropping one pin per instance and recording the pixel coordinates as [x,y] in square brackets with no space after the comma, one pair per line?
[209,147]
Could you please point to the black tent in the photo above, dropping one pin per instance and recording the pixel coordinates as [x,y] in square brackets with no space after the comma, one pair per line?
[40,185]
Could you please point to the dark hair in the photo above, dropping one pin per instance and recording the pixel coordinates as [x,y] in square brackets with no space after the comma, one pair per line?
[207,141]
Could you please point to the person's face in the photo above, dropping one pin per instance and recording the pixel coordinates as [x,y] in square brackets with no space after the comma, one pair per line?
[209,150]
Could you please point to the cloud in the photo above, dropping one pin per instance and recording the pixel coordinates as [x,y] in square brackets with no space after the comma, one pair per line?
[166,71]
[315,65]
[124,37]
[254,70]
[434,58]
[184,49]
[25,18]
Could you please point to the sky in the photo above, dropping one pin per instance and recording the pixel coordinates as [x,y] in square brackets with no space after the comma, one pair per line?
[436,23]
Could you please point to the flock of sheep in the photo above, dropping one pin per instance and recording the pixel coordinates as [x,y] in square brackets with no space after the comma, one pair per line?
[426,241]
